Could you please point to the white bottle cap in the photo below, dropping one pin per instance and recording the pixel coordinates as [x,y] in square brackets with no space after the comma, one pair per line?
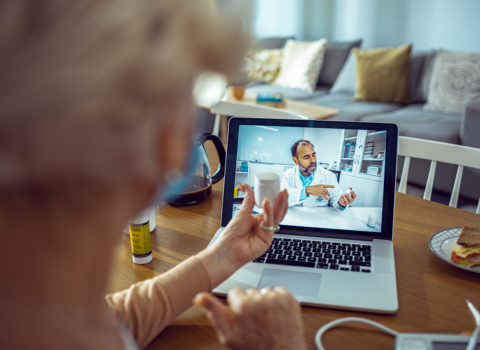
[142,259]
[267,177]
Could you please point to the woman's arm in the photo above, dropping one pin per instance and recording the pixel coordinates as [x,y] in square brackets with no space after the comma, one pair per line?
[149,306]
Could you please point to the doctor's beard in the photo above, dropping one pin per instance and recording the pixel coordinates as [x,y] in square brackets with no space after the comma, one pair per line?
[310,169]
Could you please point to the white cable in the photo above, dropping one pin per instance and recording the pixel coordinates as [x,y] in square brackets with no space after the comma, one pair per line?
[330,325]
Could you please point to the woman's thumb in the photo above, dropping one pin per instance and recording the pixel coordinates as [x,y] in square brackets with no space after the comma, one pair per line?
[217,312]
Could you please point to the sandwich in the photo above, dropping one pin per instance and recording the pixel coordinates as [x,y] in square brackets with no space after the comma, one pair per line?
[467,250]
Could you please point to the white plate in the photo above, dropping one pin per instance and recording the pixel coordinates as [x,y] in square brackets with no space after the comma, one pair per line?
[441,244]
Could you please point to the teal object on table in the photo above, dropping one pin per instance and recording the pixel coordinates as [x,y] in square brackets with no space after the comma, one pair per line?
[267,97]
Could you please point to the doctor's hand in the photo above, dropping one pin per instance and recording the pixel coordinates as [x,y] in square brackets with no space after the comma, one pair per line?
[347,198]
[319,191]
[245,237]
[265,319]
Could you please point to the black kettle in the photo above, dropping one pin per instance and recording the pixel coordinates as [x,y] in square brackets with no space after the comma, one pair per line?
[201,180]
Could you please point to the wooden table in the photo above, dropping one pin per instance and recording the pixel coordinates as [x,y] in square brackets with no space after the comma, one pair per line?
[306,109]
[431,293]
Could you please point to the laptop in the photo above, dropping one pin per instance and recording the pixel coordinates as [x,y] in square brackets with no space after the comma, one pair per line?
[326,255]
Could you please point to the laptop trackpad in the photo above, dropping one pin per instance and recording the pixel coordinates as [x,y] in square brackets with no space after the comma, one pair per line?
[297,283]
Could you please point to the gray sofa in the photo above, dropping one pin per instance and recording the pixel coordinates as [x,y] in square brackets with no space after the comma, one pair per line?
[336,89]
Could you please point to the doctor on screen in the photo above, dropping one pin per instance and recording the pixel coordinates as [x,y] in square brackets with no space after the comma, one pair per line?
[313,186]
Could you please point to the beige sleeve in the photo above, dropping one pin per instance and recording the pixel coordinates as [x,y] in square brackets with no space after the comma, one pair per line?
[149,306]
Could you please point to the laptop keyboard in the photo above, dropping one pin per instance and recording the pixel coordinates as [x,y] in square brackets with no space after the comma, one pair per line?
[318,254]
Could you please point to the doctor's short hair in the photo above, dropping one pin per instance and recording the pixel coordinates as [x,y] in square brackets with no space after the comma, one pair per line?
[294,147]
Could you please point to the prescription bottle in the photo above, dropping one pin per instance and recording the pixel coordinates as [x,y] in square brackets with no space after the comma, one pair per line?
[140,238]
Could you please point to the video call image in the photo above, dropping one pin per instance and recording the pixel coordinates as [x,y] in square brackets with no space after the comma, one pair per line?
[334,177]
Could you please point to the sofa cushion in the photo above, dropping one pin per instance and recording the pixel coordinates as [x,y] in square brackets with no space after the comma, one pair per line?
[455,81]
[349,109]
[383,74]
[301,64]
[333,100]
[336,54]
[263,65]
[420,92]
[345,82]
[271,42]
[358,109]
[295,94]
[413,121]
[416,66]
[420,72]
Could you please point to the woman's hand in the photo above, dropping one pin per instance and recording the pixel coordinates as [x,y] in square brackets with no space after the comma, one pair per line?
[245,237]
[265,319]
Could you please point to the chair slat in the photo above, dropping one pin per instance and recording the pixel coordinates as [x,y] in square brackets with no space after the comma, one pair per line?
[402,188]
[431,176]
[456,187]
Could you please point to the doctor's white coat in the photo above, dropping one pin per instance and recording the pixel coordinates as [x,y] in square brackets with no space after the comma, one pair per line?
[292,182]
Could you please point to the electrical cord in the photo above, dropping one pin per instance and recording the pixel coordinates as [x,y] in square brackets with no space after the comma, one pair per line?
[332,324]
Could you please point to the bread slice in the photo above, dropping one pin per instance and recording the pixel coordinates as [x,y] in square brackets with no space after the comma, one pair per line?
[470,237]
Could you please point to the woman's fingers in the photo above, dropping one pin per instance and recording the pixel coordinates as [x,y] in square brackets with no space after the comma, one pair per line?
[285,205]
[249,200]
[216,311]
[268,216]
[281,206]
[235,298]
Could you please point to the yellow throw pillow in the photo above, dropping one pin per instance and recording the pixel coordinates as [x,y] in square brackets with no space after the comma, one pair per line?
[383,74]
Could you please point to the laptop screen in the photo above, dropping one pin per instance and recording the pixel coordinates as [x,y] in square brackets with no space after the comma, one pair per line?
[339,176]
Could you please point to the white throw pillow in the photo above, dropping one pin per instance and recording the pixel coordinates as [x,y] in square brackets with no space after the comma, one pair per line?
[301,64]
[454,83]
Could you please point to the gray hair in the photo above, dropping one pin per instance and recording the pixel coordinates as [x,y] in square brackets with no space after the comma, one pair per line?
[294,147]
[86,84]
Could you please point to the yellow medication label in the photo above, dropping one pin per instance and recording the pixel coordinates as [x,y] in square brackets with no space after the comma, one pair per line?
[140,238]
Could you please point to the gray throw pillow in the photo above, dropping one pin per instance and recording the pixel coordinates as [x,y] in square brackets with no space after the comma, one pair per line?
[420,71]
[271,43]
[425,76]
[454,83]
[346,79]
[336,54]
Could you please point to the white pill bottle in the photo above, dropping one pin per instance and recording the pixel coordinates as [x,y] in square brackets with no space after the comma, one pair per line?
[266,185]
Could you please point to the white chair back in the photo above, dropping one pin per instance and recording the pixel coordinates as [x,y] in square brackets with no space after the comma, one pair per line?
[462,156]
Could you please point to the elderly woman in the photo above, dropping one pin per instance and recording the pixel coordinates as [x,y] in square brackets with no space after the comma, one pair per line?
[96,118]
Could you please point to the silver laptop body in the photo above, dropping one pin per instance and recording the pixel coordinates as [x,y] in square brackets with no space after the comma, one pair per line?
[325,256]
